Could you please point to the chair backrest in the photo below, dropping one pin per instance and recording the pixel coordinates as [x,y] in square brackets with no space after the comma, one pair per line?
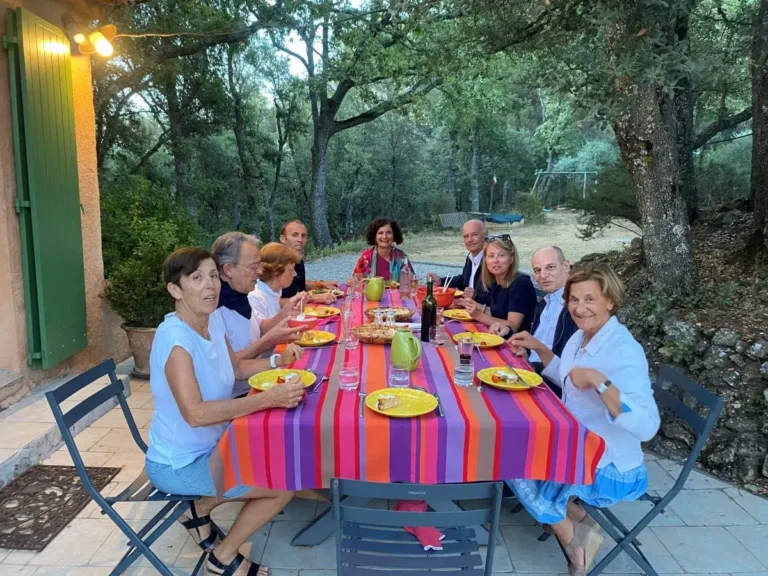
[369,539]
[65,421]
[701,425]
[453,219]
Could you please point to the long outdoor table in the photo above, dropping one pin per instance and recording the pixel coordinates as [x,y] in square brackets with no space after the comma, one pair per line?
[484,436]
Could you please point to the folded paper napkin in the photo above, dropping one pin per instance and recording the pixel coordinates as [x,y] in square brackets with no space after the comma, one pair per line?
[428,537]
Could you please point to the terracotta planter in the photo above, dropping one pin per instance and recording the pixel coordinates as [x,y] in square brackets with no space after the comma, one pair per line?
[140,343]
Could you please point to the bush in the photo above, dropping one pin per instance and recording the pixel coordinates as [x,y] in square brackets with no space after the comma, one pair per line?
[530,207]
[140,227]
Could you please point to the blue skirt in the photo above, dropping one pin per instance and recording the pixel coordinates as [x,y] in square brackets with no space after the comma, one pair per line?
[191,480]
[547,501]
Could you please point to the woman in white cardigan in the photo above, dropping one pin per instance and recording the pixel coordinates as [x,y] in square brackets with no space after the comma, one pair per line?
[604,375]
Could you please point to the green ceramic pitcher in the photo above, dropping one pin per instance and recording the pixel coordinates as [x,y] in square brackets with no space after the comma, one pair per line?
[406,349]
[374,291]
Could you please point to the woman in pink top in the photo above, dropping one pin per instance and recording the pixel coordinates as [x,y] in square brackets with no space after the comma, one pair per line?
[383,258]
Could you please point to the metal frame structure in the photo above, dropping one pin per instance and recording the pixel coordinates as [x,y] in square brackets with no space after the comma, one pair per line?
[140,490]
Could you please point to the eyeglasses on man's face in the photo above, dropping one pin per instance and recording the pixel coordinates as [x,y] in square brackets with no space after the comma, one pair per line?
[252,267]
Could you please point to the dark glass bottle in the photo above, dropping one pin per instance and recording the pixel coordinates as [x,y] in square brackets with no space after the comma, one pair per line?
[428,312]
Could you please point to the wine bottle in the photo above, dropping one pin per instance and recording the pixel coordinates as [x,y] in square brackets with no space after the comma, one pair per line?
[428,312]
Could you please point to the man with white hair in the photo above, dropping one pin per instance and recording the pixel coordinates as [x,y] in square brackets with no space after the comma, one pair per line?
[473,233]
[552,323]
[239,263]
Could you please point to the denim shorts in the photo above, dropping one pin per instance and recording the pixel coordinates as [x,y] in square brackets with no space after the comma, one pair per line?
[191,480]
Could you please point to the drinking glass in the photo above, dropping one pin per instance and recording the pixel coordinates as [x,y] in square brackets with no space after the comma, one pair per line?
[390,317]
[399,376]
[349,377]
[377,316]
[437,335]
[350,341]
[464,371]
[440,316]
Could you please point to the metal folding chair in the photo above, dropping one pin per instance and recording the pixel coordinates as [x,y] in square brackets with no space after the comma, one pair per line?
[141,490]
[370,540]
[666,397]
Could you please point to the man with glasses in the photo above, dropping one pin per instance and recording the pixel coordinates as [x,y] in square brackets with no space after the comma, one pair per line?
[239,263]
[552,323]
[473,233]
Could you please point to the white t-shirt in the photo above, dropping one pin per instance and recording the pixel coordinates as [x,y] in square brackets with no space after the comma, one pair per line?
[265,303]
[237,328]
[171,440]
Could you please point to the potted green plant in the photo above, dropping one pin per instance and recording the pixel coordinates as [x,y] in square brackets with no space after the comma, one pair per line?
[135,288]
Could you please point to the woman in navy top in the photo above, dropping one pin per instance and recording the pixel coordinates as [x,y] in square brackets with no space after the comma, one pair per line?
[510,298]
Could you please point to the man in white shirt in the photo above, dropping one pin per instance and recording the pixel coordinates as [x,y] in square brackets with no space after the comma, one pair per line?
[552,323]
[473,233]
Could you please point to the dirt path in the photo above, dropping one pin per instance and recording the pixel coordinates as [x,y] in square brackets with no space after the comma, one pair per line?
[559,229]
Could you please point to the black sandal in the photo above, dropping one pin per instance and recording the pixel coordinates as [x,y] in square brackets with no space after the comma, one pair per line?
[194,524]
[215,566]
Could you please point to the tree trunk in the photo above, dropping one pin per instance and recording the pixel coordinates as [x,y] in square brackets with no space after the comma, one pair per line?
[473,169]
[249,178]
[646,136]
[684,141]
[504,191]
[759,188]
[181,159]
[684,100]
[453,173]
[321,136]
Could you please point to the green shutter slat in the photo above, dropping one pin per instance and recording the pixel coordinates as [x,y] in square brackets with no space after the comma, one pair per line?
[57,276]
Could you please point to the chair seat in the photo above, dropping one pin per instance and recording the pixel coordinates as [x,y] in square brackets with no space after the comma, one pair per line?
[142,490]
[367,550]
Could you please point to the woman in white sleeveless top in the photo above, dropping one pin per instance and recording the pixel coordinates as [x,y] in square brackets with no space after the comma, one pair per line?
[193,371]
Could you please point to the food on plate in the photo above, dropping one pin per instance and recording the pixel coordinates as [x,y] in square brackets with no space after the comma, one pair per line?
[402,314]
[289,377]
[387,402]
[391,284]
[308,336]
[373,334]
[504,377]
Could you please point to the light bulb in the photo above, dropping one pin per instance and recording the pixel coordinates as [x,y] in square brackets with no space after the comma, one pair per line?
[79,38]
[102,45]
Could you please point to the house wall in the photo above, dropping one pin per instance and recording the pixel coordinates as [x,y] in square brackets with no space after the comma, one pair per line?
[105,338]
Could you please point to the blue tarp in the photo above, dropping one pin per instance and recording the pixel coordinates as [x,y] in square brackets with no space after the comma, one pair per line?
[503,218]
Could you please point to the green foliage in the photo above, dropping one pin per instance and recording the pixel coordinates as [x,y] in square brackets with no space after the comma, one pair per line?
[723,172]
[140,227]
[530,207]
[129,206]
[611,201]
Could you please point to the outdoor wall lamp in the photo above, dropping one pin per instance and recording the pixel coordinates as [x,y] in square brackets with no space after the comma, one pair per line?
[98,41]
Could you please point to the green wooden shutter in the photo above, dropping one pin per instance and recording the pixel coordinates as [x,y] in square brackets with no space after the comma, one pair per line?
[48,195]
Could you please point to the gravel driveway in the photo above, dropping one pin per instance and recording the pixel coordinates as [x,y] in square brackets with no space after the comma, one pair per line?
[340,266]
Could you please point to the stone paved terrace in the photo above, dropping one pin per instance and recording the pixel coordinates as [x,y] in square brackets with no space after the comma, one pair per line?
[710,528]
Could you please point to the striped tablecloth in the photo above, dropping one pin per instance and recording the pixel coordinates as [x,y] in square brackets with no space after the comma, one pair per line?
[484,436]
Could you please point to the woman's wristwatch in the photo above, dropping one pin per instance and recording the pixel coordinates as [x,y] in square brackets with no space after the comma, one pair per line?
[602,387]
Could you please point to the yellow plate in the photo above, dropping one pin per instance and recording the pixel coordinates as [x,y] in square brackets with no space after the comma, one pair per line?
[321,311]
[265,380]
[457,314]
[529,379]
[458,293]
[484,339]
[318,338]
[412,402]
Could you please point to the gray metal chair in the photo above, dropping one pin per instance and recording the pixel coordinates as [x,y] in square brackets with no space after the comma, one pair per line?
[141,490]
[370,540]
[666,397]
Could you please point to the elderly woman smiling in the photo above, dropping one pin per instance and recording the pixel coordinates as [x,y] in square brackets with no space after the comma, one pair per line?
[193,370]
[604,376]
